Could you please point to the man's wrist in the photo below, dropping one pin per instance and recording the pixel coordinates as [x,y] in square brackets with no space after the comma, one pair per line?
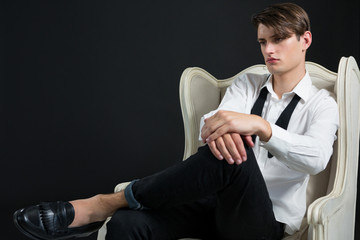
[264,129]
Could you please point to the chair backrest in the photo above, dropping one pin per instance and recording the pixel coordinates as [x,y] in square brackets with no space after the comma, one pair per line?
[200,93]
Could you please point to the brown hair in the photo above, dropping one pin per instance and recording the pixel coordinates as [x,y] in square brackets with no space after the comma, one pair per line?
[284,18]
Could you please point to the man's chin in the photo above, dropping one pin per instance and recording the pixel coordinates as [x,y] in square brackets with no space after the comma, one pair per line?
[273,69]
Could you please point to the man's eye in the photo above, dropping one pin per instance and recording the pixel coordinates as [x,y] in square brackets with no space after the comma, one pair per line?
[277,40]
[261,42]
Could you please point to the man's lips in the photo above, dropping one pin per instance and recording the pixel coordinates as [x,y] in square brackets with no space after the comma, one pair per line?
[272,60]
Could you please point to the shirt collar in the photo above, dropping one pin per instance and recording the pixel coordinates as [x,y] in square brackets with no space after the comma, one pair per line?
[302,89]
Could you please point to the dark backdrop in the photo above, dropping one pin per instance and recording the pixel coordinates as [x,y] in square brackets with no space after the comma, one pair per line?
[89,89]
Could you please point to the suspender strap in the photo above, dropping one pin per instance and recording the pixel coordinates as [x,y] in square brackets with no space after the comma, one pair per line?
[259,105]
[283,120]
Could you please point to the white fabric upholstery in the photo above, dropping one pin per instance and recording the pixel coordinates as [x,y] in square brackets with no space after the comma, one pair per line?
[331,195]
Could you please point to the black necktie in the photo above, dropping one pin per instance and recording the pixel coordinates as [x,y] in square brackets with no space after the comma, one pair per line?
[283,120]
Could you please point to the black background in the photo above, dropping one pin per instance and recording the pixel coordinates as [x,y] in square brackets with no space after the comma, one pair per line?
[89,89]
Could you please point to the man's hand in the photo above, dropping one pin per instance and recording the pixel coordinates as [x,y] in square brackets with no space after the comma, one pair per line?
[232,122]
[231,147]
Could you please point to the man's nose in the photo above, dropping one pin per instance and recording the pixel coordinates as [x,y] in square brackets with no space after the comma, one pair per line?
[269,48]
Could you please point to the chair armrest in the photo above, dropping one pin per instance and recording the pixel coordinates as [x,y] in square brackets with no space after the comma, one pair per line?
[333,216]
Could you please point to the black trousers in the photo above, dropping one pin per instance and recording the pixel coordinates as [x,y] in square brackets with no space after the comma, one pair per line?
[201,197]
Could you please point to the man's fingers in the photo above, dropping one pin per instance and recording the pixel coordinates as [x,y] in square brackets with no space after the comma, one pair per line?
[223,150]
[219,132]
[232,148]
[215,151]
[240,145]
[213,123]
[229,146]
[248,140]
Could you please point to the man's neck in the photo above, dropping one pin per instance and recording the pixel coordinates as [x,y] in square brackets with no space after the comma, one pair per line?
[283,83]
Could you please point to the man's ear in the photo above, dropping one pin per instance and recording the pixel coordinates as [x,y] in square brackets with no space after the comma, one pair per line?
[307,36]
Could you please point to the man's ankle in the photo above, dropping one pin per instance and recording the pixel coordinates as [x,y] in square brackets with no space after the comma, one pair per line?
[110,203]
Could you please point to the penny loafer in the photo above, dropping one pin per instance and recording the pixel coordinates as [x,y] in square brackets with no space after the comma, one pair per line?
[50,220]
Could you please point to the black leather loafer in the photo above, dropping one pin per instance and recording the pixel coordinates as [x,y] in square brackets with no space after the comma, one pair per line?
[50,221]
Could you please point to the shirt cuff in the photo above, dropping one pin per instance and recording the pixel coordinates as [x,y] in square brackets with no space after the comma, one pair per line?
[278,144]
[202,122]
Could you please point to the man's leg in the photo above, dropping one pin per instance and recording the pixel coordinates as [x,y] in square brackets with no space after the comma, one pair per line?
[244,208]
[194,220]
[243,205]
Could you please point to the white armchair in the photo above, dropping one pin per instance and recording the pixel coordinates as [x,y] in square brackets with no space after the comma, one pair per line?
[331,195]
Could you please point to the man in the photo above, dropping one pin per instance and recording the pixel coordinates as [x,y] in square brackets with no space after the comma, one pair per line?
[258,192]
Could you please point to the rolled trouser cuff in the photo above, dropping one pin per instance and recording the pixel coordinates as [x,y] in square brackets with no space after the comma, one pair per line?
[130,198]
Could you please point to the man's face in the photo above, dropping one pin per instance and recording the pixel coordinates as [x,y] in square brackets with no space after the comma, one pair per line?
[282,55]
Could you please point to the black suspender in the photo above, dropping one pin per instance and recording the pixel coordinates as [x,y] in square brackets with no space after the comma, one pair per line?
[283,120]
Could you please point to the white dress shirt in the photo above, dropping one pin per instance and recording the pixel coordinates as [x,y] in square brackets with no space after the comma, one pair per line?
[304,148]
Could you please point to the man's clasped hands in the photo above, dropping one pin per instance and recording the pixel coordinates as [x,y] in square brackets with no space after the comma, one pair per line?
[226,132]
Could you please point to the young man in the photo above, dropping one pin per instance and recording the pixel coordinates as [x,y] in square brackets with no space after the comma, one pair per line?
[259,196]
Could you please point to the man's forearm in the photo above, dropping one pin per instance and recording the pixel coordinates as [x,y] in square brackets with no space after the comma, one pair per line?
[232,122]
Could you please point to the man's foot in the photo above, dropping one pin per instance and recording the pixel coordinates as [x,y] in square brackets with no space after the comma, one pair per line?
[47,221]
[64,220]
